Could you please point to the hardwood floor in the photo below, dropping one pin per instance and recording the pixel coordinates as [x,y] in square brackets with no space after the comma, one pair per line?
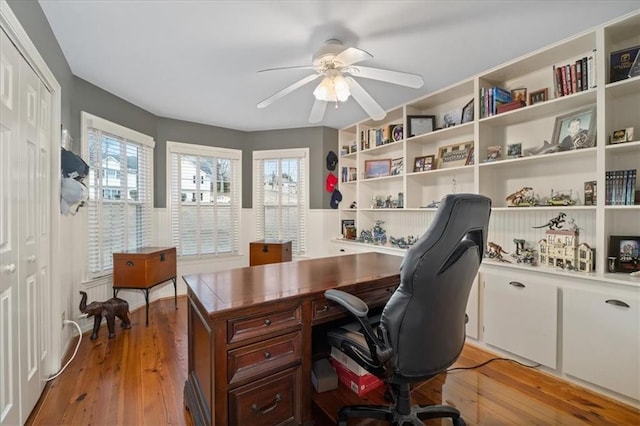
[137,378]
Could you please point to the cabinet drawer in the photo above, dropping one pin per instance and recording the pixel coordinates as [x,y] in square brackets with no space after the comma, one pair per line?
[324,309]
[247,328]
[264,357]
[271,401]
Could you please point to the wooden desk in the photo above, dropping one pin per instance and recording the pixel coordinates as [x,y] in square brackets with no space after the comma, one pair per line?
[250,332]
[144,268]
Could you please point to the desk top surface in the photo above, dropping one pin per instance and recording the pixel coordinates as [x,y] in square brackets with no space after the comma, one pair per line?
[243,287]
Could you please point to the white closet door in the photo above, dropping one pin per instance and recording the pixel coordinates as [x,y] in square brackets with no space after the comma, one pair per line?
[9,186]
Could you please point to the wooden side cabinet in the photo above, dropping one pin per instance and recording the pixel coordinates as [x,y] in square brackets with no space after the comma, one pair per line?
[262,252]
[144,268]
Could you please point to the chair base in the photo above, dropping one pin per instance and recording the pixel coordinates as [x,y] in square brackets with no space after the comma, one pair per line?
[390,414]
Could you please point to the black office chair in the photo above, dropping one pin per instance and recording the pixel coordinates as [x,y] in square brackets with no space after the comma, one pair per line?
[422,327]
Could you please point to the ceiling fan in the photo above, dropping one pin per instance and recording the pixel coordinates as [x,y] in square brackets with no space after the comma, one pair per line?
[335,64]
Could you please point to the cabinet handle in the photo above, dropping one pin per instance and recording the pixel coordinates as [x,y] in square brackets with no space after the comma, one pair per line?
[9,268]
[266,410]
[267,321]
[325,308]
[516,284]
[341,250]
[267,355]
[617,302]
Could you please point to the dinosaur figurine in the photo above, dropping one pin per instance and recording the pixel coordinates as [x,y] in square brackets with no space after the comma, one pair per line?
[519,196]
[494,251]
[554,223]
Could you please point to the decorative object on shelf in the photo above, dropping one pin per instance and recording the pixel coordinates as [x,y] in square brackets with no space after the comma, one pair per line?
[626,250]
[545,148]
[432,205]
[519,95]
[495,252]
[494,153]
[379,234]
[522,198]
[561,198]
[110,310]
[344,150]
[467,112]
[621,63]
[524,254]
[576,129]
[377,168]
[353,205]
[450,118]
[347,223]
[402,242]
[561,249]
[590,193]
[555,222]
[397,166]
[538,96]
[514,150]
[422,164]
[622,135]
[420,124]
[400,203]
[470,158]
[353,174]
[611,263]
[396,132]
[634,71]
[454,155]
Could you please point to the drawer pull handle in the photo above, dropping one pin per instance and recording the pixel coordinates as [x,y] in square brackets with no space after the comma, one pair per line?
[617,303]
[267,355]
[516,284]
[267,321]
[269,409]
[325,308]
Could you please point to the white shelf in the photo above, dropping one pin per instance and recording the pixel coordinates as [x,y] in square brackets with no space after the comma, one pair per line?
[448,170]
[449,132]
[580,154]
[630,86]
[520,210]
[623,147]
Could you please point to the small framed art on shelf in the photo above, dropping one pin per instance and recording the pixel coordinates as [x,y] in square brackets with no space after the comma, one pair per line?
[538,96]
[626,251]
[377,168]
[420,124]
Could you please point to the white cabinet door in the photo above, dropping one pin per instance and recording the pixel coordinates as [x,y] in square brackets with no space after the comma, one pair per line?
[472,311]
[520,315]
[601,338]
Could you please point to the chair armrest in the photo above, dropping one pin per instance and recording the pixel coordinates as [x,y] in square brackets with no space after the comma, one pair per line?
[351,303]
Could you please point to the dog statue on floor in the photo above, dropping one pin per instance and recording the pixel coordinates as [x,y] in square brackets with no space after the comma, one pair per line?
[109,309]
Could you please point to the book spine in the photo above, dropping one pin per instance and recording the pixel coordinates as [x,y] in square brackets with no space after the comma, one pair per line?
[594,69]
[607,189]
[567,76]
[634,174]
[574,78]
[585,74]
[578,67]
[482,102]
[563,79]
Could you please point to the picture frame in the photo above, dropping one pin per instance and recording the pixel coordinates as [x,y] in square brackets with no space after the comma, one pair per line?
[454,155]
[514,150]
[626,250]
[621,63]
[538,96]
[451,118]
[575,130]
[519,95]
[377,168]
[346,223]
[420,124]
[418,164]
[622,135]
[397,166]
[429,163]
[470,158]
[494,153]
[467,112]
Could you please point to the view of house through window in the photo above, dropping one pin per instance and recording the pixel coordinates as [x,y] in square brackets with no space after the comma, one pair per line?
[205,199]
[120,184]
[280,196]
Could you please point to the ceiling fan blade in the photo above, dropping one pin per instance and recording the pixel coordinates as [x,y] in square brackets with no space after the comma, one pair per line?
[271,99]
[365,100]
[298,67]
[352,55]
[317,111]
[395,77]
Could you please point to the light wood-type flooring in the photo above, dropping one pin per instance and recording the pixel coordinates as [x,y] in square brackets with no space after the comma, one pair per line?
[137,378]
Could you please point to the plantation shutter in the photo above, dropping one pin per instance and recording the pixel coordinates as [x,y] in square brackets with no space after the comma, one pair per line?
[120,204]
[281,196]
[205,199]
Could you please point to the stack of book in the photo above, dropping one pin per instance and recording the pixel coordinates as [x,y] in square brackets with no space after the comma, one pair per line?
[352,375]
[620,187]
[491,99]
[575,77]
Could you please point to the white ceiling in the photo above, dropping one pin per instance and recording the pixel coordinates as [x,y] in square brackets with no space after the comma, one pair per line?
[198,60]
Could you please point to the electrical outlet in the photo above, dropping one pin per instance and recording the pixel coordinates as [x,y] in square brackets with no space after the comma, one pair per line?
[64,318]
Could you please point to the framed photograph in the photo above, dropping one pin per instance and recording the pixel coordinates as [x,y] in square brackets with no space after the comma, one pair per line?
[575,130]
[451,118]
[418,164]
[397,166]
[377,168]
[429,163]
[420,124]
[454,155]
[494,153]
[626,250]
[467,113]
[538,96]
[346,224]
[514,150]
[519,95]
[470,158]
[622,135]
[621,62]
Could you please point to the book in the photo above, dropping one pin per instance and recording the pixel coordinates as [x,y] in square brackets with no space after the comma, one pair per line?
[510,106]
[590,193]
[620,63]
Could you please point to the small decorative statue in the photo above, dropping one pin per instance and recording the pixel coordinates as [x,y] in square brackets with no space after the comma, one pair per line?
[495,251]
[555,222]
[109,309]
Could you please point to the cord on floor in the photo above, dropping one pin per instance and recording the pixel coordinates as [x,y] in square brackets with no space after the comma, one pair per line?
[65,322]
[491,360]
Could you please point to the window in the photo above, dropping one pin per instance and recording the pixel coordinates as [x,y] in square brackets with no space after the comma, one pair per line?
[120,183]
[280,195]
[205,199]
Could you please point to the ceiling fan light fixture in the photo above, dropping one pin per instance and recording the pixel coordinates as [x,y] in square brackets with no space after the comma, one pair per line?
[332,89]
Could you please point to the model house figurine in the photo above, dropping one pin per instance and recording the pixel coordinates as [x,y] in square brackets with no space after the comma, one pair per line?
[561,249]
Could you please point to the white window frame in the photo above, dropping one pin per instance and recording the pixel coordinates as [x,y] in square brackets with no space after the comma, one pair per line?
[91,121]
[303,154]
[205,151]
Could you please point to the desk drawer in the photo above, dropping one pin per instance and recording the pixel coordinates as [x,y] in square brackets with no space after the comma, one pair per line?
[324,309]
[269,356]
[247,328]
[271,401]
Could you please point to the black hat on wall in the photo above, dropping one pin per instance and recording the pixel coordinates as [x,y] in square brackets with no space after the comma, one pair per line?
[332,160]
